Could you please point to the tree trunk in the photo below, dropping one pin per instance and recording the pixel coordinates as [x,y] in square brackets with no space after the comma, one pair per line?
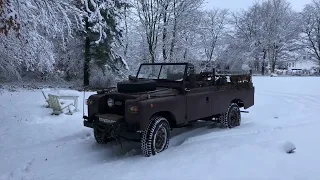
[86,69]
[164,35]
[256,64]
[275,57]
[212,48]
[152,53]
[263,62]
[126,29]
[274,62]
[174,32]
[173,42]
[185,54]
[273,67]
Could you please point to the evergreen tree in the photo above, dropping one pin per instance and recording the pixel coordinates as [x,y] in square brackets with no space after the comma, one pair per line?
[103,34]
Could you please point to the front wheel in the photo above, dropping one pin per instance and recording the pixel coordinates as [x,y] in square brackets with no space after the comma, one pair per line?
[100,137]
[232,118]
[155,138]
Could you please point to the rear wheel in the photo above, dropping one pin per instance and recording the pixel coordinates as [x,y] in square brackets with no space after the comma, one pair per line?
[232,118]
[156,138]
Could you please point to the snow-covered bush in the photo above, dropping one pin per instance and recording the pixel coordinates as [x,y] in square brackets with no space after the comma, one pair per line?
[100,79]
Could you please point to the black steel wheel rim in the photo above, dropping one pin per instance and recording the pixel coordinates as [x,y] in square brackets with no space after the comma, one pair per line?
[160,139]
[234,118]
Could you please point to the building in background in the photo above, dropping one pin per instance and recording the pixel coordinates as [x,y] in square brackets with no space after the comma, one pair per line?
[302,64]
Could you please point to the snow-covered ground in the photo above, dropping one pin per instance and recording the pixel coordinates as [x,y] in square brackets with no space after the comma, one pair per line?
[35,145]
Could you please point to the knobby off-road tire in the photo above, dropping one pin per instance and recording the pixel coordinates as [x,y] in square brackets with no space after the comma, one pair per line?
[155,138]
[100,137]
[142,85]
[232,118]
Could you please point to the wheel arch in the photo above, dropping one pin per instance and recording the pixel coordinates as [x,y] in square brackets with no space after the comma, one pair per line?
[239,102]
[169,116]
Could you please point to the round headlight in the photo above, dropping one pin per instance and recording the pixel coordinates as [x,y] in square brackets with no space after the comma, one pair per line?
[110,102]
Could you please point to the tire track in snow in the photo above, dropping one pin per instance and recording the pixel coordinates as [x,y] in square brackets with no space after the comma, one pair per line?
[230,134]
[293,97]
[88,153]
[301,103]
[299,94]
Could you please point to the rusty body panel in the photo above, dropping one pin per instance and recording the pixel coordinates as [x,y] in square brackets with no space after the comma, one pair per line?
[179,101]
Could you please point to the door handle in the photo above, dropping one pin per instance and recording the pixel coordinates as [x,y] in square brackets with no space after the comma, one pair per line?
[187,89]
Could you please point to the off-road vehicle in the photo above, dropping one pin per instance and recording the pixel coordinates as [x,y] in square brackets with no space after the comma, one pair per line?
[163,96]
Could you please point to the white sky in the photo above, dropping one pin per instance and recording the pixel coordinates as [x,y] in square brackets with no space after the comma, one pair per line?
[235,5]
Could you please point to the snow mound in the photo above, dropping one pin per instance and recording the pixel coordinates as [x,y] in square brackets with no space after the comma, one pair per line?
[289,147]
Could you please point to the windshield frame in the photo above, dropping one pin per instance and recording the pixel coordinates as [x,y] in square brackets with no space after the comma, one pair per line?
[165,64]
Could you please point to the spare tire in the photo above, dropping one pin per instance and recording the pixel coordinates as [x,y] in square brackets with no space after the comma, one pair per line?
[141,85]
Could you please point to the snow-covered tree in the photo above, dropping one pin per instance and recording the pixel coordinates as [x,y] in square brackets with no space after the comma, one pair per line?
[150,13]
[280,30]
[188,45]
[211,29]
[103,35]
[180,10]
[248,37]
[162,23]
[311,28]
[8,17]
[269,30]
[44,26]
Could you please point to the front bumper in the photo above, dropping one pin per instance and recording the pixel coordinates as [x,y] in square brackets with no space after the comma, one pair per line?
[88,124]
[106,119]
[115,126]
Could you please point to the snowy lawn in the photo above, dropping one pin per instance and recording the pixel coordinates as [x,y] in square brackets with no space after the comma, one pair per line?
[35,145]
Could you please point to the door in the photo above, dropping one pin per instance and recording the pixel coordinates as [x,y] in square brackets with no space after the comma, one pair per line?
[198,104]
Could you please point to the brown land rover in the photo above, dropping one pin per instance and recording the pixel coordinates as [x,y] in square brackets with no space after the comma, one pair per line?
[163,96]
